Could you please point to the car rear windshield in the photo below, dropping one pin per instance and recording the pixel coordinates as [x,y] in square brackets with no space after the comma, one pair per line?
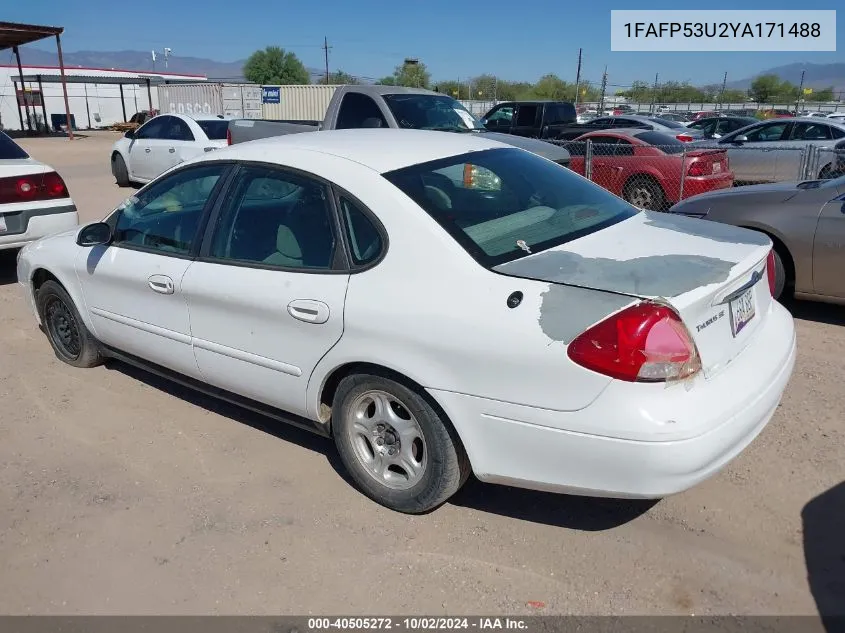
[503,204]
[215,129]
[9,149]
[667,123]
[669,144]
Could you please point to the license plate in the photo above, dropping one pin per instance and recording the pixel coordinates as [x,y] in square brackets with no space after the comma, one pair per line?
[2,224]
[717,168]
[742,310]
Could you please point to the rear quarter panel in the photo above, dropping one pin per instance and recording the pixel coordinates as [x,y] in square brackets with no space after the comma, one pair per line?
[430,312]
[793,223]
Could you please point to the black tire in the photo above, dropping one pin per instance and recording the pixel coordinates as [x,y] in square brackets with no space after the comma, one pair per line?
[121,173]
[447,467]
[645,193]
[780,276]
[70,339]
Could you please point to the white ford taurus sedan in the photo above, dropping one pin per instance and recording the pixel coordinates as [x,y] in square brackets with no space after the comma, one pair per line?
[439,304]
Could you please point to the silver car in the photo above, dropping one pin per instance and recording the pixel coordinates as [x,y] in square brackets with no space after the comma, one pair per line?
[770,151]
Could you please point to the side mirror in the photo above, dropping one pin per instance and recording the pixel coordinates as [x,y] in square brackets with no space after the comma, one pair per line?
[129,134]
[742,138]
[371,122]
[94,235]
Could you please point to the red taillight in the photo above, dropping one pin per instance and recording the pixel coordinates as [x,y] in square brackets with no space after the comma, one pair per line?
[228,137]
[699,169]
[770,271]
[32,188]
[644,343]
[685,138]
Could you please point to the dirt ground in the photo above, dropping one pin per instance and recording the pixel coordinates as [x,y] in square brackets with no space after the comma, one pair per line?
[123,494]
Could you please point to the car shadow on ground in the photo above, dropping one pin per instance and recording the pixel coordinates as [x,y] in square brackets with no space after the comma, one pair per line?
[827,313]
[588,514]
[8,267]
[575,513]
[823,520]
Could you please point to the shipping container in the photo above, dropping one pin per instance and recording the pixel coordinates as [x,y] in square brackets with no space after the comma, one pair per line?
[231,100]
[299,103]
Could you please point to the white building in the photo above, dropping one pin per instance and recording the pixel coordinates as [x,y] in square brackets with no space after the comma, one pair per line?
[94,94]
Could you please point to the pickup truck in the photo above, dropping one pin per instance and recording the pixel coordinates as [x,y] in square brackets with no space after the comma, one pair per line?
[536,119]
[391,107]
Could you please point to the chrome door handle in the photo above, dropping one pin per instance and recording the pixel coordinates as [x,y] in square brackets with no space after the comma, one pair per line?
[147,150]
[309,310]
[161,284]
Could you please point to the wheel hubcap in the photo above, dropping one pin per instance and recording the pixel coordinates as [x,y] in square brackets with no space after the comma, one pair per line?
[387,440]
[642,197]
[63,328]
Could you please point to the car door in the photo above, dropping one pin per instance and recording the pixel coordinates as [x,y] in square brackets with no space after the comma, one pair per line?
[801,135]
[266,295]
[829,250]
[181,144]
[140,156]
[526,120]
[604,165]
[755,160]
[132,286]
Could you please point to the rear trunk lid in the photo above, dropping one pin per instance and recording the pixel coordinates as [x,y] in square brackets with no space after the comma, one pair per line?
[712,274]
[706,162]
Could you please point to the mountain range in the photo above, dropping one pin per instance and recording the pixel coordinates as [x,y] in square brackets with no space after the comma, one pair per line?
[816,76]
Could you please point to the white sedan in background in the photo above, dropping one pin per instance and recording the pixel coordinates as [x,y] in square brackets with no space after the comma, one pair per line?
[163,142]
[34,200]
[439,304]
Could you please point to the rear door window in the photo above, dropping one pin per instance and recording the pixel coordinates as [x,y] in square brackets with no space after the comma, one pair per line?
[9,150]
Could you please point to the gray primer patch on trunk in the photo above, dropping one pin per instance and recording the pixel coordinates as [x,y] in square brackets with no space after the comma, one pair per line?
[708,229]
[566,311]
[653,276]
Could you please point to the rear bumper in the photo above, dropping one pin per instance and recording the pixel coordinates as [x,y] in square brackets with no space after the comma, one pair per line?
[694,185]
[32,224]
[685,434]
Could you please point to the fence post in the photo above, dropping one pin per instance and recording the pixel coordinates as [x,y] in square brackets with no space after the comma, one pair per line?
[683,173]
[588,159]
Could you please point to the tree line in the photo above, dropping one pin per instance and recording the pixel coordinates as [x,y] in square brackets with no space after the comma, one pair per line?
[275,66]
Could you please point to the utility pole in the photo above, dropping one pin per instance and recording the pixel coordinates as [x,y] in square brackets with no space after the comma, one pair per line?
[654,92]
[603,89]
[800,92]
[577,77]
[167,52]
[722,92]
[154,60]
[326,48]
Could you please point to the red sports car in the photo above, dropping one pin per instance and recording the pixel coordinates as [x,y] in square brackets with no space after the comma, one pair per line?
[644,167]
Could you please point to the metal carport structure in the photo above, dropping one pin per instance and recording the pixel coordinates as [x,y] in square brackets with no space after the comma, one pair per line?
[143,79]
[14,35]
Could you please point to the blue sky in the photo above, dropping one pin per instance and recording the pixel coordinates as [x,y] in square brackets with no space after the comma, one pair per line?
[454,38]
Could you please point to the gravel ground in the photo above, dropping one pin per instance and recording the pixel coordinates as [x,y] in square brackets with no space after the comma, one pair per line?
[123,494]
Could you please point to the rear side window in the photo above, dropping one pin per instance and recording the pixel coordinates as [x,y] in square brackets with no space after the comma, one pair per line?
[667,123]
[365,243]
[503,204]
[9,150]
[358,110]
[214,130]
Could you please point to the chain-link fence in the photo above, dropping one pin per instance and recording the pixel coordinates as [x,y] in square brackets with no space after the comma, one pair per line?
[658,177]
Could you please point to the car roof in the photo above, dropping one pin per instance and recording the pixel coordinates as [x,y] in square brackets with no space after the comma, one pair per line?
[629,132]
[379,149]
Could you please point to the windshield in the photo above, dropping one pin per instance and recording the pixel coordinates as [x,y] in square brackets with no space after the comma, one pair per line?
[431,112]
[215,129]
[502,204]
[10,150]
